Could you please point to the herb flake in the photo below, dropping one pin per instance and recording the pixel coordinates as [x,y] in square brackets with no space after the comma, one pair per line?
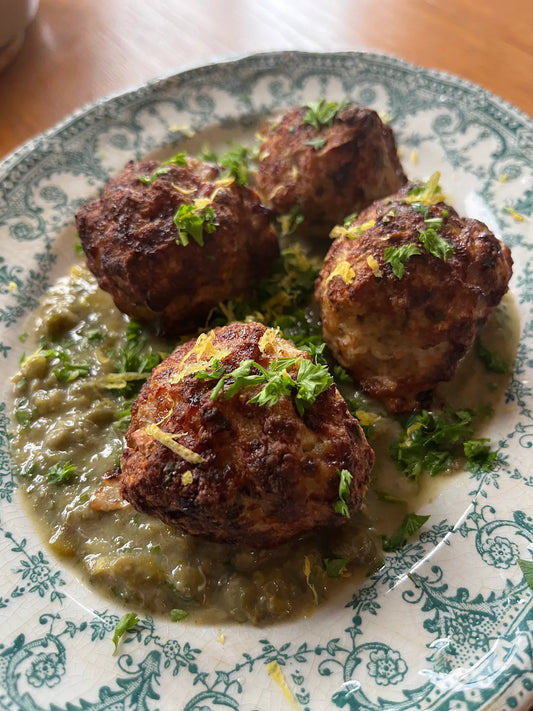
[409,526]
[126,623]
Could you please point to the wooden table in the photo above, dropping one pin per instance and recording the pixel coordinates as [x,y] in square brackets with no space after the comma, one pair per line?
[79,50]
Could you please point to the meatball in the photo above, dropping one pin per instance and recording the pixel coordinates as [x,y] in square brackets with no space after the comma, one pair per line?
[217,464]
[404,290]
[324,166]
[170,241]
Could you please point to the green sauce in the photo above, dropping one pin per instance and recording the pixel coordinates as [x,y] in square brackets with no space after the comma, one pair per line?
[70,410]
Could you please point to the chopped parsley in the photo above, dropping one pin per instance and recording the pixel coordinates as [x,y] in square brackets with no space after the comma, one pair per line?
[236,161]
[433,443]
[408,527]
[178,159]
[316,143]
[491,360]
[176,615]
[335,567]
[526,566]
[479,456]
[290,221]
[311,380]
[65,370]
[435,244]
[193,220]
[61,473]
[126,623]
[341,505]
[321,113]
[397,257]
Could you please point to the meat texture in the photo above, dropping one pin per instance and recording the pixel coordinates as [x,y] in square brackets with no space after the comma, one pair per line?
[253,474]
[164,275]
[400,334]
[324,170]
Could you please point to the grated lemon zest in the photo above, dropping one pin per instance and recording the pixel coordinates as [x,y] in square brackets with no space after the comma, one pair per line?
[186,478]
[374,265]
[275,673]
[266,342]
[366,418]
[344,270]
[167,440]
[517,216]
[431,193]
[307,573]
[184,191]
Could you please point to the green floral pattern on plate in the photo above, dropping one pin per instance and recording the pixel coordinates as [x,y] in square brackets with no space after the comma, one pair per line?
[447,623]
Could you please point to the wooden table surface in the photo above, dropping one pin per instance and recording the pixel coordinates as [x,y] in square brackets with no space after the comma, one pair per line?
[77,51]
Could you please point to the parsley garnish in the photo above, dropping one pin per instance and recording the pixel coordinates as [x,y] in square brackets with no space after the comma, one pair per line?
[311,380]
[126,623]
[236,160]
[433,443]
[178,159]
[341,506]
[192,220]
[479,456]
[316,143]
[335,567]
[291,220]
[526,566]
[397,257]
[435,244]
[66,371]
[321,113]
[430,238]
[491,360]
[61,473]
[176,615]
[408,527]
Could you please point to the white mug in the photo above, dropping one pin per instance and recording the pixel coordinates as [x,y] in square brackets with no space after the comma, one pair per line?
[14,18]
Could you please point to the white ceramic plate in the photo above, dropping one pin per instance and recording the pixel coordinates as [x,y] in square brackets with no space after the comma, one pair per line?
[456,635]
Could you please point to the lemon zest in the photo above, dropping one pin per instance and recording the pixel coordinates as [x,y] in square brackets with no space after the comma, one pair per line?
[267,341]
[431,193]
[517,216]
[166,439]
[307,573]
[344,270]
[374,265]
[186,478]
[275,673]
[366,418]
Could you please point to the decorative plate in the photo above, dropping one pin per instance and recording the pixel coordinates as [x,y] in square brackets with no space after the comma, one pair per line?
[455,634]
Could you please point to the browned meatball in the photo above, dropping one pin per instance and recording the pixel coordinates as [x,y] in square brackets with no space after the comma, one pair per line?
[399,334]
[328,170]
[258,474]
[162,268]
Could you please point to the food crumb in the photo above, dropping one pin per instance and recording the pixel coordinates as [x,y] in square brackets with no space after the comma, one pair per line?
[221,638]
[414,157]
[502,178]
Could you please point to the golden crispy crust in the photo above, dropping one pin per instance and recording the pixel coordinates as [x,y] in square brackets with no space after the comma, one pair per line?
[129,237]
[268,474]
[357,164]
[400,337]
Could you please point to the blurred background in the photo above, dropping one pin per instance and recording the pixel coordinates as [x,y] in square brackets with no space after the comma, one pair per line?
[76,51]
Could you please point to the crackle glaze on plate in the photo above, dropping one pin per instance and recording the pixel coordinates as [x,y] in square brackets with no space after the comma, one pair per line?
[447,623]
